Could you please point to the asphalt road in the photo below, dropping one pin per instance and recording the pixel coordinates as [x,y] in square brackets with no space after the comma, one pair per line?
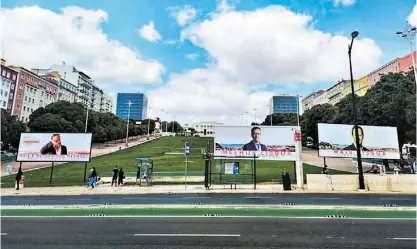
[210,233]
[217,199]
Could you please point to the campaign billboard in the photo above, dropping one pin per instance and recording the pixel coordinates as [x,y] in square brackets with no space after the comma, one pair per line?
[262,142]
[339,140]
[54,147]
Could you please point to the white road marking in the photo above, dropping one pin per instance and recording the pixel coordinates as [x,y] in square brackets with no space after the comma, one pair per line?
[325,198]
[187,197]
[260,197]
[184,235]
[401,238]
[395,199]
[80,199]
[3,234]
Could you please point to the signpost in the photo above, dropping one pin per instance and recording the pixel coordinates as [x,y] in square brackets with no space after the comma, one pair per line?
[186,154]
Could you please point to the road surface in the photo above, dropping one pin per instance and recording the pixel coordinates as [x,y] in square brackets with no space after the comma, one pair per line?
[209,233]
[217,199]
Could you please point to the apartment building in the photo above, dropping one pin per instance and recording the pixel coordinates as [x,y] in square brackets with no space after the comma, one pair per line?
[336,92]
[96,97]
[106,103]
[67,91]
[31,92]
[315,98]
[8,85]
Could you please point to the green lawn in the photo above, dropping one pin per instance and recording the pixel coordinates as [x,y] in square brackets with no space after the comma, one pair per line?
[72,173]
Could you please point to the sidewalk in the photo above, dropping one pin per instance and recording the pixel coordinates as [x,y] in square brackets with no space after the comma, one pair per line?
[173,189]
[97,150]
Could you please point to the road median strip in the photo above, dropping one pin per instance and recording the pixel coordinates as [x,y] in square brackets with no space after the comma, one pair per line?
[209,211]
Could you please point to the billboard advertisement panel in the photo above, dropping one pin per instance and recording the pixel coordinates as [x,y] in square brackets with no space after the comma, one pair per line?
[339,140]
[264,142]
[54,147]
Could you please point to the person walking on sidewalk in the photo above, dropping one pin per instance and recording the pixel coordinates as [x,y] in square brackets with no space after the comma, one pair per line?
[93,178]
[114,178]
[18,177]
[121,177]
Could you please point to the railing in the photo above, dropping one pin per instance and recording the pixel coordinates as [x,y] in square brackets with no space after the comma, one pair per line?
[158,174]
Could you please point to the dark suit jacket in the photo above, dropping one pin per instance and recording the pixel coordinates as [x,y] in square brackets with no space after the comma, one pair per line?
[251,146]
[49,149]
[353,147]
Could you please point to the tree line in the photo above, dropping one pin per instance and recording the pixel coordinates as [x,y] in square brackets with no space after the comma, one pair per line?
[391,102]
[68,117]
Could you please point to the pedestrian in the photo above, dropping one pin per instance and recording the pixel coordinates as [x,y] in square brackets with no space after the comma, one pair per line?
[18,177]
[93,178]
[114,178]
[325,170]
[121,176]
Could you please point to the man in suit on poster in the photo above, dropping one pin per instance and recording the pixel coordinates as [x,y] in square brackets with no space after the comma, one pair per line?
[54,147]
[255,144]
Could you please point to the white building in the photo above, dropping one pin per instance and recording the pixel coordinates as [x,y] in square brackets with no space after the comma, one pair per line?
[96,97]
[78,78]
[335,93]
[313,99]
[106,103]
[205,128]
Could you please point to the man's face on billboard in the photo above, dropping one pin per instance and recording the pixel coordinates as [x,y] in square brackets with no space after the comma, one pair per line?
[56,141]
[360,135]
[256,135]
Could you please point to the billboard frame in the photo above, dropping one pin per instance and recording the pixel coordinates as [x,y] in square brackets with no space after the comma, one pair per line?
[47,161]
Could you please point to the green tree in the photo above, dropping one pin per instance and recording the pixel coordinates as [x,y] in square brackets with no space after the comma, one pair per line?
[281,119]
[11,128]
[311,117]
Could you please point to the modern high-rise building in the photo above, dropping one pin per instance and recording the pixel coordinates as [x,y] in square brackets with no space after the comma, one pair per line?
[138,108]
[284,104]
[106,103]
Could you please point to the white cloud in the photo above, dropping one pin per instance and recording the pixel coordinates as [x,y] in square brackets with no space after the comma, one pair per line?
[148,32]
[36,37]
[183,15]
[412,18]
[170,42]
[343,2]
[192,57]
[264,46]
[251,48]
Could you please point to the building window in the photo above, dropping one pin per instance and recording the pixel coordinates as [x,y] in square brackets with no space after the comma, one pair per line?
[3,73]
[24,108]
[33,100]
[18,106]
[42,94]
[9,106]
[30,99]
[14,76]
[21,86]
[31,110]
[1,92]
[5,93]
[11,96]
[12,86]
[8,75]
[19,96]
[4,103]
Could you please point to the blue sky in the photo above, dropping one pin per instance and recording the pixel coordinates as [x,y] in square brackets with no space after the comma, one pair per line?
[372,19]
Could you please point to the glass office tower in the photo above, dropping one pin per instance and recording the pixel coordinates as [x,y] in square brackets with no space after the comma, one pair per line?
[138,109]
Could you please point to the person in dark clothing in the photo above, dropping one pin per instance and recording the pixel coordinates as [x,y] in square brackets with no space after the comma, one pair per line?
[54,147]
[18,178]
[121,176]
[114,178]
[93,177]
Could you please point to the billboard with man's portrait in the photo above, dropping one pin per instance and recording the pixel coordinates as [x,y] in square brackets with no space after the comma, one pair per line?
[339,140]
[262,142]
[54,147]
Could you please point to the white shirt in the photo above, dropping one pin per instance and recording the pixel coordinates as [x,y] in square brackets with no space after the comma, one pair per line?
[58,152]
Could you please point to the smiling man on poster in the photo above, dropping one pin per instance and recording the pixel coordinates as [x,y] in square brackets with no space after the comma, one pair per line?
[54,147]
[255,144]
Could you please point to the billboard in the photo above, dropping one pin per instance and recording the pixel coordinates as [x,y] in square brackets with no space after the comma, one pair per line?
[338,140]
[54,147]
[264,142]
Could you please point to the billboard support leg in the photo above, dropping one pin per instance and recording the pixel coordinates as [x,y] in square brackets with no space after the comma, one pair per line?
[299,174]
[254,172]
[85,171]
[52,170]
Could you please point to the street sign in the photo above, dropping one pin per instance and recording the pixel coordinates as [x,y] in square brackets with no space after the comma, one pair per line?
[187,149]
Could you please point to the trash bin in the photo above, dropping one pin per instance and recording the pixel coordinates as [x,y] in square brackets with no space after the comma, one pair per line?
[286,182]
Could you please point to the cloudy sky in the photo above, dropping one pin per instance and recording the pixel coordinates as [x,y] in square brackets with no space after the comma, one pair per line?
[206,60]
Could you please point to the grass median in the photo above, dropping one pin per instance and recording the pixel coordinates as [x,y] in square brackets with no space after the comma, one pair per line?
[203,211]
[71,174]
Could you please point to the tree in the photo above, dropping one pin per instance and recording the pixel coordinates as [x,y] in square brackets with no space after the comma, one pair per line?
[11,128]
[281,119]
[311,117]
[99,134]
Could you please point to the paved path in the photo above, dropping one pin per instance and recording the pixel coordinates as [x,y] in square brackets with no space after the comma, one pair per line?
[171,189]
[97,150]
[217,199]
[344,164]
[205,233]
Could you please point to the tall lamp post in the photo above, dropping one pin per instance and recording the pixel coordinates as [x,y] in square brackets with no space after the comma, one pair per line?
[86,121]
[149,120]
[270,112]
[358,149]
[255,109]
[127,126]
[409,33]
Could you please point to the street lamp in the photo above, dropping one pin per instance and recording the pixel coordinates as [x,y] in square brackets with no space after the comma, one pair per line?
[298,110]
[358,149]
[270,112]
[86,121]
[255,109]
[128,119]
[409,33]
